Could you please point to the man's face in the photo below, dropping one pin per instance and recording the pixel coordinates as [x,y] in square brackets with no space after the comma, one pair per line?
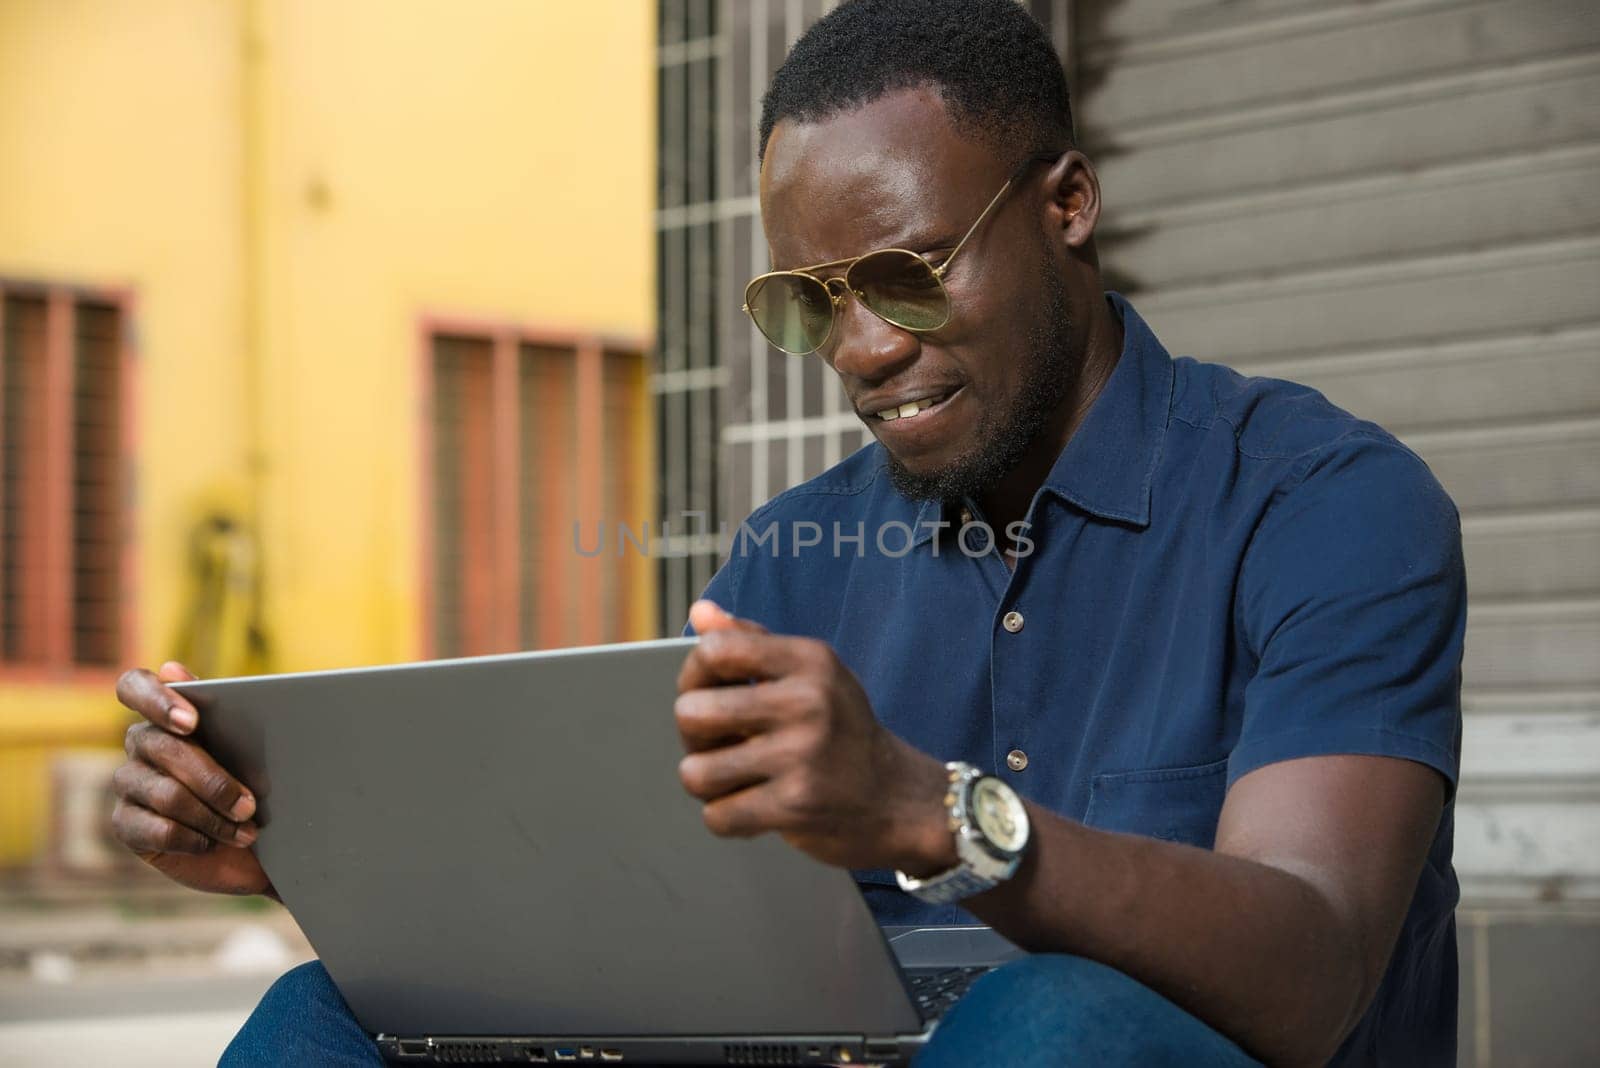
[896,173]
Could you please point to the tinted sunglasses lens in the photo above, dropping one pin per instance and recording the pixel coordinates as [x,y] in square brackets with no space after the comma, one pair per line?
[901,287]
[793,310]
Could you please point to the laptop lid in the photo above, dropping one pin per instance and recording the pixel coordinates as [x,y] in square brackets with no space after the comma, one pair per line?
[501,845]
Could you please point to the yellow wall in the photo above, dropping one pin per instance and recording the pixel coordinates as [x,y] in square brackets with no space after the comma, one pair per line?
[494,162]
[288,186]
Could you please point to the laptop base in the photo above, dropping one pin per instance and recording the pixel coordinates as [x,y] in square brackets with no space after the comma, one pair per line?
[646,1050]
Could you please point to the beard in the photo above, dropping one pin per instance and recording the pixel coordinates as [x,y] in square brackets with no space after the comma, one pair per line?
[1003,438]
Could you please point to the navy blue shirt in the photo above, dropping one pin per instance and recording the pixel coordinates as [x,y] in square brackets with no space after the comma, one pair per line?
[1224,572]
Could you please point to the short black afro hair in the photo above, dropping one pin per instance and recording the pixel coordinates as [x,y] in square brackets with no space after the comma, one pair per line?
[990,61]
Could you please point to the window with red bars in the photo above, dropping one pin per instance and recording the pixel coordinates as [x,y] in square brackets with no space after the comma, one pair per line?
[535,448]
[63,387]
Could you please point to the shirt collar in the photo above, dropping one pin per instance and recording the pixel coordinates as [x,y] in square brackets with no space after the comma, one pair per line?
[1109,464]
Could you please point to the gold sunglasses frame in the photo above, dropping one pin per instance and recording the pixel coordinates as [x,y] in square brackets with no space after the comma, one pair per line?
[836,298]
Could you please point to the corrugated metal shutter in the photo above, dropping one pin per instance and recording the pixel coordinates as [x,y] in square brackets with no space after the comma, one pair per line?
[1399,204]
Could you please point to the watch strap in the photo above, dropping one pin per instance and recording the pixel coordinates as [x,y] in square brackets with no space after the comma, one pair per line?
[976,869]
[946,888]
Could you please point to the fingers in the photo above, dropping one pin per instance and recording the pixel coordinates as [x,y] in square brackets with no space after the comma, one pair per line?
[712,774]
[737,654]
[147,694]
[142,785]
[192,766]
[748,813]
[725,715]
[144,831]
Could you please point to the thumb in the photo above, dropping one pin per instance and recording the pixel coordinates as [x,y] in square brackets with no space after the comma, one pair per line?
[707,616]
[172,671]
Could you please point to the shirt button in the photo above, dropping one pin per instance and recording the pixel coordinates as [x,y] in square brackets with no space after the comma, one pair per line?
[1013,623]
[1016,760]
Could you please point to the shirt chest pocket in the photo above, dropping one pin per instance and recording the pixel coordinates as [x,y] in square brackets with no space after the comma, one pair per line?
[1175,804]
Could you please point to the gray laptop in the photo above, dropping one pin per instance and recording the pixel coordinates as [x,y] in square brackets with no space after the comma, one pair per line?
[495,861]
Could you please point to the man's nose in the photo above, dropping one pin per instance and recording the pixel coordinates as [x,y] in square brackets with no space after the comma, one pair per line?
[865,347]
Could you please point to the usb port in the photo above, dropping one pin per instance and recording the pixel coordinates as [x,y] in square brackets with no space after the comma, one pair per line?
[611,1054]
[565,1054]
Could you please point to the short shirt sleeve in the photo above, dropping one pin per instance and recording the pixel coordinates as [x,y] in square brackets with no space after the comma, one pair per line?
[1352,600]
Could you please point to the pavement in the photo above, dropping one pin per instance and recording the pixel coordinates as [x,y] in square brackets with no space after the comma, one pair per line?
[91,983]
[163,1023]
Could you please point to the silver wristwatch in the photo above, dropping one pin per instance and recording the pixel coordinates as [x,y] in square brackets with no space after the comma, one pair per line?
[991,830]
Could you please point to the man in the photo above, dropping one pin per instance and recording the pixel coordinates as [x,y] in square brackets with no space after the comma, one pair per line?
[1207,627]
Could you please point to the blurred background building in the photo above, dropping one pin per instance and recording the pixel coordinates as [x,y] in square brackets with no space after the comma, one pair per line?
[320,324]
[323,322]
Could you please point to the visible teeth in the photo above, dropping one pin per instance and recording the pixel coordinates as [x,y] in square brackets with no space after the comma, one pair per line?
[908,409]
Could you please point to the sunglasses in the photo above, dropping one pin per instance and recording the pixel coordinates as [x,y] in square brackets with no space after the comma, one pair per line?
[796,310]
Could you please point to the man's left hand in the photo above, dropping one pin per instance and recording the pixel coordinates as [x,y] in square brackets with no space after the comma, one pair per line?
[781,737]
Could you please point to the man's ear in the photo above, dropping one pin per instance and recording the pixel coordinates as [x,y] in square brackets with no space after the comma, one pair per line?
[1074,204]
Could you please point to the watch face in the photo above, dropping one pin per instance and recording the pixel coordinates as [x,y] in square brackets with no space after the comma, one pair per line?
[998,813]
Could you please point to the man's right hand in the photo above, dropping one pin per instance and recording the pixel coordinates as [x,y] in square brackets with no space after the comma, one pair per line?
[176,807]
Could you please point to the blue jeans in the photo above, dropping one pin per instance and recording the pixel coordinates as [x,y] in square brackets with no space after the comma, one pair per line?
[1040,1010]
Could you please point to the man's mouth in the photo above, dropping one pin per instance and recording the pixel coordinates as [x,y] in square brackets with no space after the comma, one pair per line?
[913,408]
